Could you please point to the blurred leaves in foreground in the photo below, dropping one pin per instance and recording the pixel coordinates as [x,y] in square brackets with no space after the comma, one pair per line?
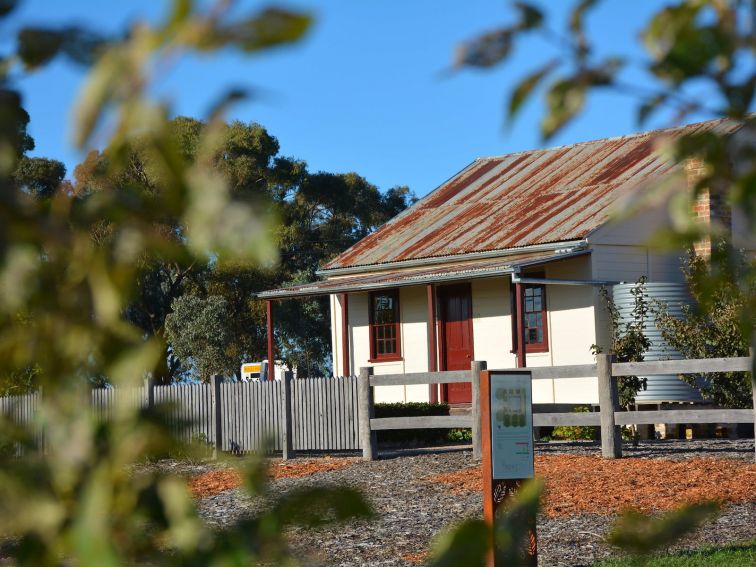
[641,535]
[699,62]
[69,268]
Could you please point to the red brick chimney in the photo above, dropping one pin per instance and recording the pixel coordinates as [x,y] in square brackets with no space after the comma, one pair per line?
[709,207]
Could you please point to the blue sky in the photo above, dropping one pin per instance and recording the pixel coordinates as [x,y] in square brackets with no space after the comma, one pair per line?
[366,91]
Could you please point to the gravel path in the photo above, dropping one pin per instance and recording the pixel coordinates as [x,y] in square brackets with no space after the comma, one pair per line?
[411,510]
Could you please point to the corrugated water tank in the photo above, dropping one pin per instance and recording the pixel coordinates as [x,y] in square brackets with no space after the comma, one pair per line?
[675,295]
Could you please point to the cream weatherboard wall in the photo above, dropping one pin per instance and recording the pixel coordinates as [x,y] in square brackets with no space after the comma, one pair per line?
[413,337]
[571,331]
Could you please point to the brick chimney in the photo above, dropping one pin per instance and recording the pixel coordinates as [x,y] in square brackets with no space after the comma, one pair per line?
[709,207]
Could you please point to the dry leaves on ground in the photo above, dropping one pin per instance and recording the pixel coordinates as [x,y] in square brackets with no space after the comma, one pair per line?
[213,482]
[580,484]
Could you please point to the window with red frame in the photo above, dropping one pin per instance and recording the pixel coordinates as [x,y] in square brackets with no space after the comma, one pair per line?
[384,325]
[534,318]
[534,307]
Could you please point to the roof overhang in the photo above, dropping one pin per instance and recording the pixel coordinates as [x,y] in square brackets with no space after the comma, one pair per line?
[559,247]
[403,277]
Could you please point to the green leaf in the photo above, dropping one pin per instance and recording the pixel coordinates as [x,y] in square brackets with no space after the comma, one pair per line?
[228,98]
[530,16]
[36,46]
[514,520]
[640,534]
[7,6]
[525,87]
[314,507]
[578,15]
[180,11]
[649,106]
[467,544]
[564,100]
[486,50]
[576,26]
[270,28]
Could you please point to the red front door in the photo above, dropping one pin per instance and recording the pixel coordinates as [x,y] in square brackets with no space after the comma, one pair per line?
[456,338]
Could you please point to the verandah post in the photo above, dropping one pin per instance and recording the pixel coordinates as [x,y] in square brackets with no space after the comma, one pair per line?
[287,442]
[368,438]
[476,368]
[611,439]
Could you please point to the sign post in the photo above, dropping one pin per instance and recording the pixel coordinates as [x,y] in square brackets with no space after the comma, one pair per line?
[506,400]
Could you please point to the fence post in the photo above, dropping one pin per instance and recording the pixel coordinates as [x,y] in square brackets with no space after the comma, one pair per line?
[476,368]
[611,439]
[287,442]
[368,438]
[149,388]
[752,352]
[215,384]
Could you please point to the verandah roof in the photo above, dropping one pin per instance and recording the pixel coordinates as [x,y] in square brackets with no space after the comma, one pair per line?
[448,272]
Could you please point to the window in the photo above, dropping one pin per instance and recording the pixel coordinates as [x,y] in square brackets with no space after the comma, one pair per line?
[536,333]
[534,318]
[384,326]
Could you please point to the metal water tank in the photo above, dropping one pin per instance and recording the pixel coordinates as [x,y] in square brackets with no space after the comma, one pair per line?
[659,388]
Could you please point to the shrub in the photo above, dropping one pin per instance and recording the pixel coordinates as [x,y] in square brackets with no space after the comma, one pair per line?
[459,435]
[412,409]
[714,329]
[575,432]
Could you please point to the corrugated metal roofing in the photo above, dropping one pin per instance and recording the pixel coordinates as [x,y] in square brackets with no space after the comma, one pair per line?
[459,271]
[522,199]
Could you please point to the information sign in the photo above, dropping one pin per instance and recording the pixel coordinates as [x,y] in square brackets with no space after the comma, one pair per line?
[506,404]
[511,426]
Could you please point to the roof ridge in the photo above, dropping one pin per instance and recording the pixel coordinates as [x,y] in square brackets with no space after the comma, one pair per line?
[657,131]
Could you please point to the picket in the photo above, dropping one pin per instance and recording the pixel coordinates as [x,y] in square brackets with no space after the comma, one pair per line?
[323,412]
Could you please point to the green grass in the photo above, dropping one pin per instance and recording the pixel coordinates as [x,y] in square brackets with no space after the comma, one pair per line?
[743,555]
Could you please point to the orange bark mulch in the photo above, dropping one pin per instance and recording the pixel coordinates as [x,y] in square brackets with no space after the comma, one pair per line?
[213,482]
[417,557]
[580,484]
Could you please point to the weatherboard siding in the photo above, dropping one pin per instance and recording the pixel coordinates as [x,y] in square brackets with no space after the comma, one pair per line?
[570,326]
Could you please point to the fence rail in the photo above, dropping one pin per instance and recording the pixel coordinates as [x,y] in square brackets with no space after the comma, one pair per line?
[311,414]
[327,414]
[609,417]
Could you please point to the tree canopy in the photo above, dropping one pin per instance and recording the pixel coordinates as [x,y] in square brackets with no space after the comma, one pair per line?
[319,215]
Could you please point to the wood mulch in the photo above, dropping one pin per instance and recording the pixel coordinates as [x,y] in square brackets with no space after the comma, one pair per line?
[220,480]
[590,484]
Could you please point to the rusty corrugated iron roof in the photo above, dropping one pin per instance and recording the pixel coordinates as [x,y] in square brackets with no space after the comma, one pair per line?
[522,199]
[454,271]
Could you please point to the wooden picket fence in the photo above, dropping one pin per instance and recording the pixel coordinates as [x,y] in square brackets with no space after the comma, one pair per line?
[312,414]
[332,414]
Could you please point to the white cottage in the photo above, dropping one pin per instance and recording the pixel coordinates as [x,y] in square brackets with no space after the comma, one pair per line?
[503,263]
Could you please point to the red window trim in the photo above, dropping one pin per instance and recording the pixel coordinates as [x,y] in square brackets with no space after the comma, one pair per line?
[386,357]
[529,347]
[543,346]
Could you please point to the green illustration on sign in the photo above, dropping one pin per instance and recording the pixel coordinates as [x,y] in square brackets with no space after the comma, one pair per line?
[511,426]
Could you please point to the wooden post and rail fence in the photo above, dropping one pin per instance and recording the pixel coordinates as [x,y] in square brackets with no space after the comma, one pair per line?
[609,417]
[334,414]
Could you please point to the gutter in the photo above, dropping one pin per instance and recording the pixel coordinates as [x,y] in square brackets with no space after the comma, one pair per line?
[565,247]
[456,276]
[517,278]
